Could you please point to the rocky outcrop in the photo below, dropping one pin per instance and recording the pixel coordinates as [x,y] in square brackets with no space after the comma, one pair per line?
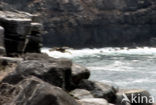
[94,23]
[21,33]
[33,91]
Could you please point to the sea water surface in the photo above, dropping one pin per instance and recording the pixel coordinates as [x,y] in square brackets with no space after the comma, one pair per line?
[123,68]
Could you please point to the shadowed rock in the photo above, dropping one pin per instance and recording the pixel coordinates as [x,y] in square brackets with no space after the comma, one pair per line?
[56,73]
[20,32]
[78,73]
[2,48]
[99,90]
[35,39]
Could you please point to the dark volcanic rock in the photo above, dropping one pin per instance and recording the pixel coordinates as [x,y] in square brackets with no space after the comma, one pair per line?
[33,91]
[94,23]
[79,73]
[99,90]
[2,49]
[56,73]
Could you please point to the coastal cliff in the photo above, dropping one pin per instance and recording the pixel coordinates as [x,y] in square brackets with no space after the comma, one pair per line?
[94,23]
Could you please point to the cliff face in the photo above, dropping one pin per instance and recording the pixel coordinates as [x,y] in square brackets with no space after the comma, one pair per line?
[94,23]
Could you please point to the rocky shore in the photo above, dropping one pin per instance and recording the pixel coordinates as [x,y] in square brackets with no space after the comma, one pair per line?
[37,79]
[28,77]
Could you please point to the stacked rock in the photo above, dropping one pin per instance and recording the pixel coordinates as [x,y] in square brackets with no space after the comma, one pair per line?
[2,49]
[35,38]
[18,27]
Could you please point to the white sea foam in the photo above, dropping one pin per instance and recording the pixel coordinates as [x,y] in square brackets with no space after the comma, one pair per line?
[101,51]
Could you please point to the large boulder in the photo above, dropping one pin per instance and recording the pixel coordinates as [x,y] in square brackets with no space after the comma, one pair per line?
[99,90]
[78,73]
[57,73]
[33,91]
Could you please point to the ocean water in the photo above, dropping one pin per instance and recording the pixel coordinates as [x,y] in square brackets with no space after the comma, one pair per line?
[123,68]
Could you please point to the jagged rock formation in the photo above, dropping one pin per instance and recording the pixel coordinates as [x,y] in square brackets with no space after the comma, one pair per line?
[94,23]
[21,32]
